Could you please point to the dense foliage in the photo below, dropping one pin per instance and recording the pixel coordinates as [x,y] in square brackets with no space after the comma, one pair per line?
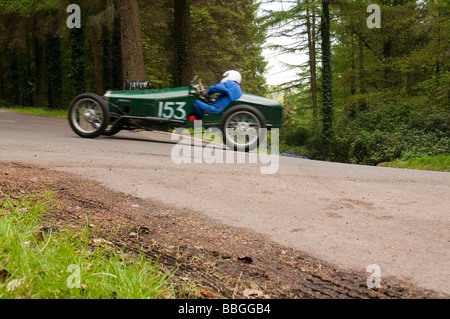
[390,85]
[364,95]
[37,45]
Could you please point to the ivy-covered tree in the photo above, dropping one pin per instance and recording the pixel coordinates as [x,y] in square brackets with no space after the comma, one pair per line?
[78,60]
[327,87]
[53,78]
[387,83]
[181,30]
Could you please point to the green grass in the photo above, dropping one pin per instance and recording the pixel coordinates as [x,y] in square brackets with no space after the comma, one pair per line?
[66,264]
[37,111]
[430,163]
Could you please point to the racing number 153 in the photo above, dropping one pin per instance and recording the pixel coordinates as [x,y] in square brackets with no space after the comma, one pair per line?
[170,110]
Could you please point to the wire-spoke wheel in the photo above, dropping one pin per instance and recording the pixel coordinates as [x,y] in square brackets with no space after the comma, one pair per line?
[112,130]
[88,115]
[241,127]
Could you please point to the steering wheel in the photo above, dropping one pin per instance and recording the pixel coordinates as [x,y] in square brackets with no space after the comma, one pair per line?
[202,88]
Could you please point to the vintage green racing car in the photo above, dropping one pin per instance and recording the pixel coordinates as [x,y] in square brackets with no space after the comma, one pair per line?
[140,107]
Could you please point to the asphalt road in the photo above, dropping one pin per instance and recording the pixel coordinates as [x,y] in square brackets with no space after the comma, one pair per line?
[350,215]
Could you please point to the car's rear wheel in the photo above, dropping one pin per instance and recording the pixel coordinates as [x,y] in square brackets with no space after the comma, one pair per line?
[241,127]
[88,115]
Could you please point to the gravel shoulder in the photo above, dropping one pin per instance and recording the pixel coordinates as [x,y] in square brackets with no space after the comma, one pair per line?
[223,261]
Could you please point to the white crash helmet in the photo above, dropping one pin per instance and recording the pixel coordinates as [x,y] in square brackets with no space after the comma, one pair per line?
[232,75]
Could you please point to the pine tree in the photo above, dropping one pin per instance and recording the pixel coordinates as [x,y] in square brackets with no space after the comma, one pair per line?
[78,60]
[54,72]
[131,41]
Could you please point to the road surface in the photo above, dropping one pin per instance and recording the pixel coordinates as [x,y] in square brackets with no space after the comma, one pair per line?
[350,215]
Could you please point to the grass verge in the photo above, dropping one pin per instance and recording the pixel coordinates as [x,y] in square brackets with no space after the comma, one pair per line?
[429,163]
[38,263]
[37,111]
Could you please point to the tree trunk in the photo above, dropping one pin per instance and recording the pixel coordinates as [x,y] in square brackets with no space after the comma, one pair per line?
[2,83]
[106,58]
[327,96]
[28,91]
[97,61]
[311,30]
[116,58]
[362,86]
[53,71]
[183,70]
[39,99]
[387,53]
[131,41]
[351,109]
[78,60]
[353,74]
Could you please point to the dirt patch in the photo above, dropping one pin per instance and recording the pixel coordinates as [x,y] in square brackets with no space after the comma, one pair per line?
[224,262]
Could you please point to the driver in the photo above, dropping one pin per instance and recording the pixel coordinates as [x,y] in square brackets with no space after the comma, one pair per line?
[228,90]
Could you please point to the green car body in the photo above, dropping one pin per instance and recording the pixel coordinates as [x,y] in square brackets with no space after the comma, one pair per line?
[175,103]
[242,122]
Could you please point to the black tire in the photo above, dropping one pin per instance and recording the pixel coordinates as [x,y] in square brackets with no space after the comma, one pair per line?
[88,115]
[113,130]
[240,126]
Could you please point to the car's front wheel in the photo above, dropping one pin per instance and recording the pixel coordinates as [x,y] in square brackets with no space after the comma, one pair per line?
[241,127]
[88,115]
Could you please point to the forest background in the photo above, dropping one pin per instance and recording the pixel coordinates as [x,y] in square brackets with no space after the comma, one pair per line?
[360,94]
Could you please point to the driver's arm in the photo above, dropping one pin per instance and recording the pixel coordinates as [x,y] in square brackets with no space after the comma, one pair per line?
[216,88]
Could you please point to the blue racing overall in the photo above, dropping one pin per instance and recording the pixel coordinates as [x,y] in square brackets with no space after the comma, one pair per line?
[227,92]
